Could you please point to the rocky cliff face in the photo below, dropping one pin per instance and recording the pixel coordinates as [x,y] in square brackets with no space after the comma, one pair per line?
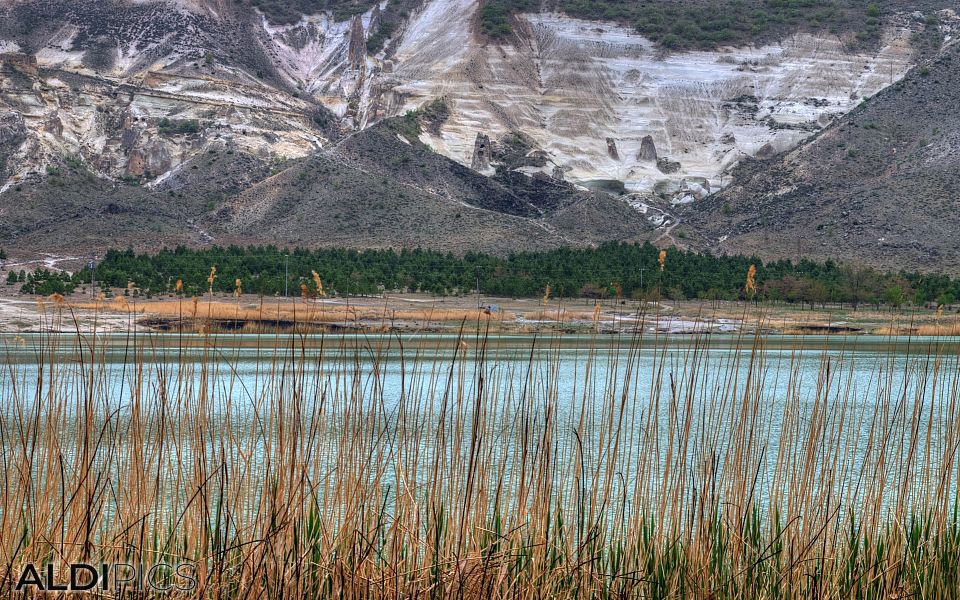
[572,86]
[135,90]
[12,129]
[589,94]
[880,186]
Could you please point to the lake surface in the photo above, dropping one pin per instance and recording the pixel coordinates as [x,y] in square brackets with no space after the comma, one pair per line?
[639,417]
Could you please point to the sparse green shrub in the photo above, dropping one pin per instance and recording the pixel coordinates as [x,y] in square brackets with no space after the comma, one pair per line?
[688,25]
[169,127]
[495,16]
[410,125]
[285,12]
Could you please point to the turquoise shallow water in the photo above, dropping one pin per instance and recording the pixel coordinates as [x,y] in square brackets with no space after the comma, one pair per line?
[156,346]
[671,402]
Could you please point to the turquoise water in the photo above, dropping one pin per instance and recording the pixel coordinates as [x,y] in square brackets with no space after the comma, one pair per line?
[608,410]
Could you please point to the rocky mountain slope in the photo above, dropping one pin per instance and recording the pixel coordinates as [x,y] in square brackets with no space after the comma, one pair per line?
[880,185]
[263,120]
[388,189]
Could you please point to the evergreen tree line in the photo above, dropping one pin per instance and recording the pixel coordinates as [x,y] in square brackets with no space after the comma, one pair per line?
[612,270]
[43,282]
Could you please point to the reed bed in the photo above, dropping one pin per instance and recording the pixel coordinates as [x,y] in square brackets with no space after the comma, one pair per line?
[301,313]
[485,465]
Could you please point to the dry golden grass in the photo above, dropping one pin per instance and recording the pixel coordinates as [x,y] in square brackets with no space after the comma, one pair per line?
[300,311]
[939,329]
[376,314]
[375,468]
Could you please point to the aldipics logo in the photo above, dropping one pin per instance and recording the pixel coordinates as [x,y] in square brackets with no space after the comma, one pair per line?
[118,578]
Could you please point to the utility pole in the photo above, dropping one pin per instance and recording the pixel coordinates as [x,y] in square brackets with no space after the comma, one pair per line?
[286,273]
[93,275]
[477,272]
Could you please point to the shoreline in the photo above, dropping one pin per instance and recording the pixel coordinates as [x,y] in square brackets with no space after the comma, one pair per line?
[424,314]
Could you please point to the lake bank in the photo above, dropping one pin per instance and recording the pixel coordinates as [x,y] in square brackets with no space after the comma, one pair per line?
[417,313]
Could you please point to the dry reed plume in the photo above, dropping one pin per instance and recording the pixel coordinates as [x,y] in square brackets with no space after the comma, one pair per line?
[318,284]
[751,286]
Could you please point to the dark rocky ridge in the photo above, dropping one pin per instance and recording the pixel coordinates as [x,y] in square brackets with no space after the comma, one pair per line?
[381,189]
[372,190]
[881,186]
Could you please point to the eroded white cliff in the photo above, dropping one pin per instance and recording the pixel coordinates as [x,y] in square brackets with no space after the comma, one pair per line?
[590,93]
[597,100]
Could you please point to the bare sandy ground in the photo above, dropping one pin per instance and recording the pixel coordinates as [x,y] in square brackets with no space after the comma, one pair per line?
[29,315]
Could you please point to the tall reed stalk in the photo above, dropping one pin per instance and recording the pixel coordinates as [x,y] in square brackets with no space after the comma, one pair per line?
[486,466]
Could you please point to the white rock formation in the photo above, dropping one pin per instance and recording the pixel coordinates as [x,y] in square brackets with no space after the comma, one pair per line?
[571,84]
[568,85]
